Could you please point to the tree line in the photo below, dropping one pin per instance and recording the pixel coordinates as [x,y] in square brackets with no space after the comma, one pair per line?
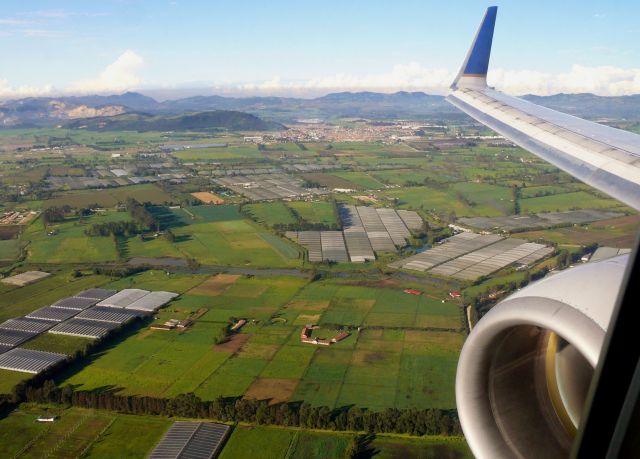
[418,422]
[122,228]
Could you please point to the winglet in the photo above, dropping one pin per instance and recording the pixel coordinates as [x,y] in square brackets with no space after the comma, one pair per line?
[473,72]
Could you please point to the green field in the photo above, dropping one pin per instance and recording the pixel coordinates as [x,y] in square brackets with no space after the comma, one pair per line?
[70,244]
[78,433]
[567,201]
[61,344]
[9,249]
[216,235]
[423,198]
[488,200]
[271,213]
[232,242]
[404,361]
[111,197]
[362,179]
[278,443]
[323,212]
[94,434]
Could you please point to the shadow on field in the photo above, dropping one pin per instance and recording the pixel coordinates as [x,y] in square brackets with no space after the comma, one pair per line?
[167,219]
[365,450]
[183,238]
[109,342]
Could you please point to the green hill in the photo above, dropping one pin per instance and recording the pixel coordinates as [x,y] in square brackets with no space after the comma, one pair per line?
[216,119]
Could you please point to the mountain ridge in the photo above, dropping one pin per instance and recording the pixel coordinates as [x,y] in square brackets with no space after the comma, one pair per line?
[43,111]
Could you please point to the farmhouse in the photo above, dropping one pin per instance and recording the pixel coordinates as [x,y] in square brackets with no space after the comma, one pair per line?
[238,325]
[305,337]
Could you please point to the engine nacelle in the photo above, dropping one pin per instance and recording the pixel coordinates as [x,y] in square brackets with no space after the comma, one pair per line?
[525,369]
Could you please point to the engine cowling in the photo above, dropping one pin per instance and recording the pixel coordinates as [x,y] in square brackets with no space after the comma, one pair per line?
[525,369]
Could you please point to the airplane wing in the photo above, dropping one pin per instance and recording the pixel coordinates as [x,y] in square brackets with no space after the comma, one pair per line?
[525,371]
[604,157]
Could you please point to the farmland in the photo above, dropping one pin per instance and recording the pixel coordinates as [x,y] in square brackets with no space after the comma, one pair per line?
[232,261]
[403,335]
[78,432]
[270,213]
[111,197]
[99,435]
[323,212]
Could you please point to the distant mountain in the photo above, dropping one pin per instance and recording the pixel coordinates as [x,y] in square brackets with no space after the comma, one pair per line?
[131,100]
[226,119]
[592,106]
[344,104]
[371,105]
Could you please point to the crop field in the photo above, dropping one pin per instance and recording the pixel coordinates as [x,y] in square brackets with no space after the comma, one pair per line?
[316,211]
[110,197]
[406,354]
[78,433]
[271,213]
[208,197]
[172,362]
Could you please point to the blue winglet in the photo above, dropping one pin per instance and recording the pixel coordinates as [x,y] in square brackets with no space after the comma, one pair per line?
[477,62]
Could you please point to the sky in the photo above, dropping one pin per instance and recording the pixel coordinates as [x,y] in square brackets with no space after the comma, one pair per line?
[177,48]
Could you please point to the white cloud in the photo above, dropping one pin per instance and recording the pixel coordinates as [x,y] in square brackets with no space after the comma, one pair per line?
[410,76]
[13,92]
[121,75]
[605,80]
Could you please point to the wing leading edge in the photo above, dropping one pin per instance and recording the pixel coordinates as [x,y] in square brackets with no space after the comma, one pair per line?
[606,158]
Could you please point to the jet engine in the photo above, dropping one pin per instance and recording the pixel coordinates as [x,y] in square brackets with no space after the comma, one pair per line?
[525,369]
